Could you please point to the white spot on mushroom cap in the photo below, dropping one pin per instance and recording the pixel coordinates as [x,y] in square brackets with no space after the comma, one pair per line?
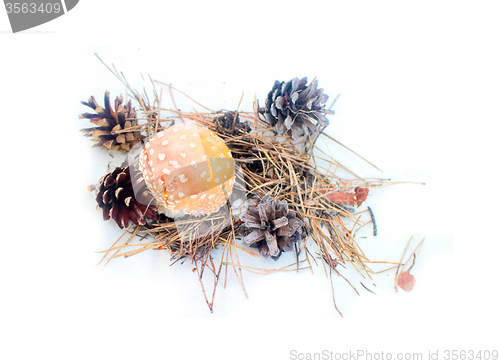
[211,196]
[203,196]
[196,135]
[219,169]
[203,174]
[174,164]
[176,129]
[182,178]
[161,156]
[193,196]
[214,147]
[216,180]
[166,171]
[228,165]
[150,163]
[160,181]
[183,136]
[183,155]
[209,179]
[151,151]
[204,157]
[181,194]
[193,163]
[160,135]
[192,145]
[165,142]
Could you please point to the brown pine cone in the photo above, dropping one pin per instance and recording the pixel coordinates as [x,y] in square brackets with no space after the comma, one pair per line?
[231,125]
[109,123]
[272,227]
[115,195]
[294,109]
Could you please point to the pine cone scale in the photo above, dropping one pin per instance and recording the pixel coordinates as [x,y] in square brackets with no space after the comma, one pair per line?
[278,223]
[106,197]
[93,117]
[281,209]
[119,193]
[121,178]
[120,139]
[254,237]
[113,212]
[125,219]
[272,243]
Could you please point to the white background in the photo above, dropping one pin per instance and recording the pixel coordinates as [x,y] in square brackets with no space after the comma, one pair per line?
[420,91]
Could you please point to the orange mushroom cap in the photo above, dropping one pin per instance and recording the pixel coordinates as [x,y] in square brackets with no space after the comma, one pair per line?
[188,169]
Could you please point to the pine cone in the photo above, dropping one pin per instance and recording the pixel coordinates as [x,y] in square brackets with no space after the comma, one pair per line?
[110,122]
[115,195]
[228,124]
[294,108]
[272,228]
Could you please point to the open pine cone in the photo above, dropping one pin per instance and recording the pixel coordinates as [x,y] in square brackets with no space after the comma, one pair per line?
[110,122]
[115,195]
[296,109]
[272,227]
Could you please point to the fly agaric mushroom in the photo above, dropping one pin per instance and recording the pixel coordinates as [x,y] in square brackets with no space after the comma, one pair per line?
[188,169]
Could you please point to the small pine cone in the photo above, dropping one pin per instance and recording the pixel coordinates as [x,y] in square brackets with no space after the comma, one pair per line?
[115,195]
[229,123]
[295,109]
[272,227]
[109,124]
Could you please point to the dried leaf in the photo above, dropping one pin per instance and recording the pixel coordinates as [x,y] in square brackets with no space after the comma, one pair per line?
[361,195]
